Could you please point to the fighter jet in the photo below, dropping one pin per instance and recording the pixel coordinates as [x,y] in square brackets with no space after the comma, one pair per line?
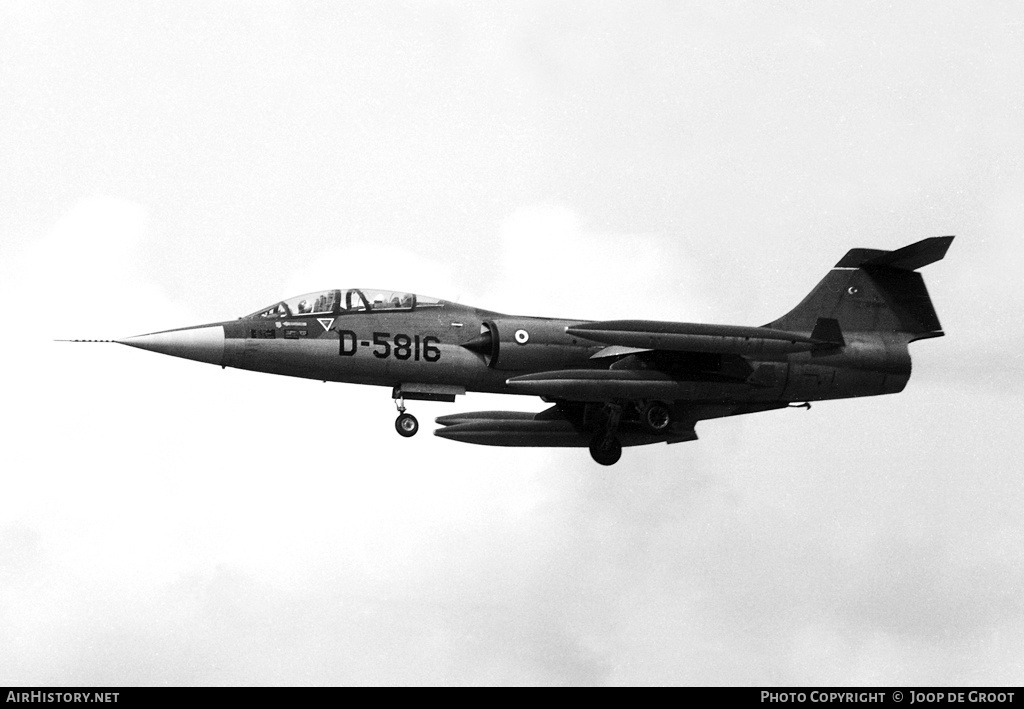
[609,384]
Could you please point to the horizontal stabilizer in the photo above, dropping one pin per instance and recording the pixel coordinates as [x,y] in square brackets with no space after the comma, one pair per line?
[909,258]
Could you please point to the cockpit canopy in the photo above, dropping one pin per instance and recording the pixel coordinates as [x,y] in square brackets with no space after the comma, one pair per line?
[339,302]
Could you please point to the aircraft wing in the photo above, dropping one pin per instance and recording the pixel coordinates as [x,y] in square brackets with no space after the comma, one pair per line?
[694,337]
[612,384]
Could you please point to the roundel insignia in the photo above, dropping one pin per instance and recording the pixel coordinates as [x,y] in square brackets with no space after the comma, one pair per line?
[522,337]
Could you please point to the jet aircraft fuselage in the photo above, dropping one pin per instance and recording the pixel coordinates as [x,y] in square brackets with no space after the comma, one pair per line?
[611,383]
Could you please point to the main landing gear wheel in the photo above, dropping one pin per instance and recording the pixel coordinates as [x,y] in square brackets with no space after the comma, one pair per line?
[606,450]
[657,418]
[407,425]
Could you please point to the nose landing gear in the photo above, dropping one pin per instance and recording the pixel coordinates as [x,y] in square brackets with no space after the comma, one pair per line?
[405,424]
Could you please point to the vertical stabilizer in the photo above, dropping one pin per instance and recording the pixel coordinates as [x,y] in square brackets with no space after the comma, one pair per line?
[870,290]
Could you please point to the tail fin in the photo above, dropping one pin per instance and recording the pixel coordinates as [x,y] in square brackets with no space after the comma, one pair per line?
[872,290]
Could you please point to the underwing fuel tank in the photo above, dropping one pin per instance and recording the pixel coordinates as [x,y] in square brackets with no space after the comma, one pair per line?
[510,428]
[521,429]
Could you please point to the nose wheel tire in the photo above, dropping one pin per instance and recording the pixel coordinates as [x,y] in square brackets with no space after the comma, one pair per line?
[407,425]
[606,451]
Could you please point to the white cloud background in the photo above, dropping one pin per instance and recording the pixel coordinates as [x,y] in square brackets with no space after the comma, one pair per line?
[166,164]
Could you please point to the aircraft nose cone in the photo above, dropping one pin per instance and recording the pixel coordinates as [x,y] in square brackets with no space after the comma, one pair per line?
[203,344]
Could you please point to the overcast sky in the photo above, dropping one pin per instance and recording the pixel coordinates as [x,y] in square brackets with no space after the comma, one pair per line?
[166,164]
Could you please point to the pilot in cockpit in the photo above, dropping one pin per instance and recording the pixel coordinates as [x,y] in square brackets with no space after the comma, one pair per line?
[305,307]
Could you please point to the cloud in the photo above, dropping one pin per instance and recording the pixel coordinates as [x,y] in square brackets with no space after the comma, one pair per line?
[166,521]
[87,267]
[552,265]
